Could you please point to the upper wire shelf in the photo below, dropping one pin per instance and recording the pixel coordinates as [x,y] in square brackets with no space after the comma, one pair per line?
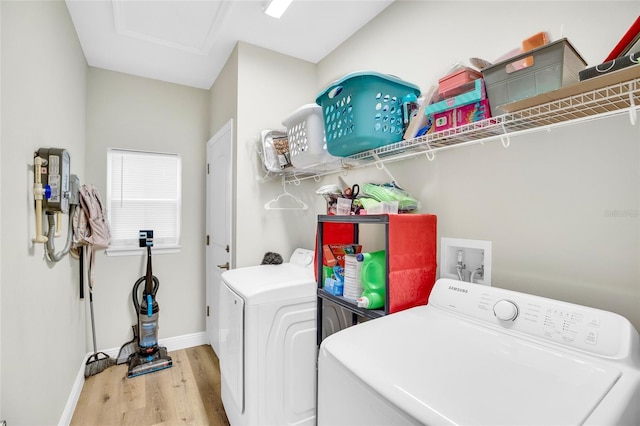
[616,99]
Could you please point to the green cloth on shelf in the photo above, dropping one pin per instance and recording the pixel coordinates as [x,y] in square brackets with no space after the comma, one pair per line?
[390,192]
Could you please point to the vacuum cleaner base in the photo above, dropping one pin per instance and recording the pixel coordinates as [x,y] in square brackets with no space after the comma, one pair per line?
[139,364]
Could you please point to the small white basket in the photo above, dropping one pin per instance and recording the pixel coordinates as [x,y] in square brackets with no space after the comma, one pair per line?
[305,130]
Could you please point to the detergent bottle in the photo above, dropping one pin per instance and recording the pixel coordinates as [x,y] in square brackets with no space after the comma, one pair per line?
[373,279]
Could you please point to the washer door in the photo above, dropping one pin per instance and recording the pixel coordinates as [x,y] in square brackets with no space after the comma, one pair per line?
[232,346]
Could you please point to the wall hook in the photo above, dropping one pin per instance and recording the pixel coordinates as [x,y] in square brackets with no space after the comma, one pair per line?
[430,154]
[504,138]
[380,166]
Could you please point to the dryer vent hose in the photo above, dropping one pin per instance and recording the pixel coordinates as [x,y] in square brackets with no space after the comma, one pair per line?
[51,248]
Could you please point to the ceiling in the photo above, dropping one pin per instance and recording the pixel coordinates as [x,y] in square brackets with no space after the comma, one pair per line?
[189,41]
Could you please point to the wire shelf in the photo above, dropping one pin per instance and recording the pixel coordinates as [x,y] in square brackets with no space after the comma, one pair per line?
[616,99]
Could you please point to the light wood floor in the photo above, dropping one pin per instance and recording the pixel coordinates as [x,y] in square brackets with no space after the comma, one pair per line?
[186,393]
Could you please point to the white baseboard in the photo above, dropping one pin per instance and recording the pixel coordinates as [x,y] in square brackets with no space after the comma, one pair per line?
[171,343]
[72,400]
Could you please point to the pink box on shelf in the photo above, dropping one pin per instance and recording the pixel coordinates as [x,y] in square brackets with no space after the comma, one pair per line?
[449,85]
[461,115]
[473,91]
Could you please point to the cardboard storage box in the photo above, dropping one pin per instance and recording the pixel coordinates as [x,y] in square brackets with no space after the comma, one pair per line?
[555,65]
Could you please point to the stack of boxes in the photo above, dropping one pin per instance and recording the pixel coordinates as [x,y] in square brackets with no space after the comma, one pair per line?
[466,95]
[464,100]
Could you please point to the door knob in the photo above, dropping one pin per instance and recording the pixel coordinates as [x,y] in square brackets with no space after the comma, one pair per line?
[225,266]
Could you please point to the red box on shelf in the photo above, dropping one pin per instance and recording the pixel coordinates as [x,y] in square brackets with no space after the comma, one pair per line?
[450,84]
[334,233]
[333,254]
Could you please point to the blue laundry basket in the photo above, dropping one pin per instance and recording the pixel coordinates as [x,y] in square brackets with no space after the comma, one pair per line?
[363,111]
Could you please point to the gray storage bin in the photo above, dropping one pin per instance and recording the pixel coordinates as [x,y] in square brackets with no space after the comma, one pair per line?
[554,65]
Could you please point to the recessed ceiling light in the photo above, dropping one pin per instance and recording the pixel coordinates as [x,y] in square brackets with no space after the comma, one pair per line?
[276,8]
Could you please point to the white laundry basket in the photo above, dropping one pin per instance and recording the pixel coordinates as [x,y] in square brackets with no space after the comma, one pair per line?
[305,129]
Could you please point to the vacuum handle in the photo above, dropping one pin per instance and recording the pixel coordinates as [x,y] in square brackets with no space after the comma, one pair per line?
[149,277]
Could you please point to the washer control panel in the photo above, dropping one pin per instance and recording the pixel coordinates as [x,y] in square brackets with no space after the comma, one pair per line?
[580,327]
[505,310]
[302,257]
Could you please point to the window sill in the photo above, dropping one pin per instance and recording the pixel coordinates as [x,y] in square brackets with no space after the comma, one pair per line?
[130,251]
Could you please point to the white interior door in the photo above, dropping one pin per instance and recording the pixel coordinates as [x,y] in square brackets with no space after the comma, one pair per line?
[219,227]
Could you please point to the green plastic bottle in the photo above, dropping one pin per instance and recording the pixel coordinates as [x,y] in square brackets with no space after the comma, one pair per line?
[373,278]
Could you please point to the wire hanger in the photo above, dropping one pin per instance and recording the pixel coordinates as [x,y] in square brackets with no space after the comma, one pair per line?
[380,166]
[274,204]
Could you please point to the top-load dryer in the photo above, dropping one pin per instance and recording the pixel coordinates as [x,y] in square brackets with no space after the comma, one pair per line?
[268,348]
[477,355]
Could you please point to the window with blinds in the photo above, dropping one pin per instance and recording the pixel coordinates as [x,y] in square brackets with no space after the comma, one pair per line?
[143,192]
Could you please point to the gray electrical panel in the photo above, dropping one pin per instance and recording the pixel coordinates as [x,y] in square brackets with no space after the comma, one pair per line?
[56,179]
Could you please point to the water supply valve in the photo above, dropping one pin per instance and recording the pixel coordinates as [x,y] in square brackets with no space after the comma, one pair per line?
[47,192]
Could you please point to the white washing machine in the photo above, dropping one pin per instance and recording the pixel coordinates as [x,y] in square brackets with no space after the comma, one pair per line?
[268,348]
[479,355]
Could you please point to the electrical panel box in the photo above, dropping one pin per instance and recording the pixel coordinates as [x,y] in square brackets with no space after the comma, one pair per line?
[55,175]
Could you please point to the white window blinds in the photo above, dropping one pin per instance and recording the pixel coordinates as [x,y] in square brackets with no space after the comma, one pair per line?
[143,192]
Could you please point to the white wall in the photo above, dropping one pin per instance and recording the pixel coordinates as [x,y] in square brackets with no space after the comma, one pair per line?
[270,87]
[546,202]
[42,316]
[224,95]
[124,111]
[420,40]
[1,413]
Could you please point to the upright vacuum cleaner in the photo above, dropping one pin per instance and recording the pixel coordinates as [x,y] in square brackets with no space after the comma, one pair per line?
[149,357]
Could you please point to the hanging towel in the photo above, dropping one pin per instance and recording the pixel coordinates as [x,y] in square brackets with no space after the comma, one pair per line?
[412,259]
